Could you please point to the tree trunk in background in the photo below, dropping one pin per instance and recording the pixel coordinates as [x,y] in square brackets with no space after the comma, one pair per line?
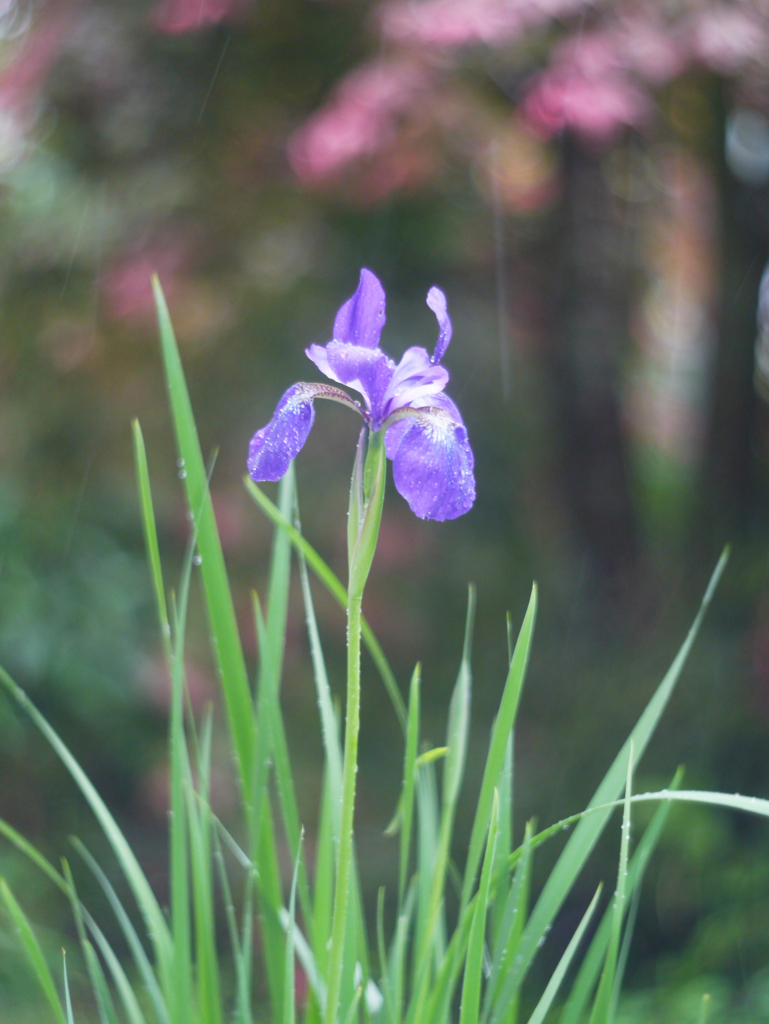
[588,339]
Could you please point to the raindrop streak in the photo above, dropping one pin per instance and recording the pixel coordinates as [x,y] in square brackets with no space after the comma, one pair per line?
[213,80]
[76,247]
[80,497]
[500,268]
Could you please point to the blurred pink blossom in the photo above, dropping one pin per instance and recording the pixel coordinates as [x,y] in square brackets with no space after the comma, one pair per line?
[597,108]
[22,79]
[361,118]
[726,37]
[127,283]
[176,16]
[458,22]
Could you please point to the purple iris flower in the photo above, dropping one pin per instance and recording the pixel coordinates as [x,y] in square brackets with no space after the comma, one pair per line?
[424,433]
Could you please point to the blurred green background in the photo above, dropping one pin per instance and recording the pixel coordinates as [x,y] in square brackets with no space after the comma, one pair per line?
[603,284]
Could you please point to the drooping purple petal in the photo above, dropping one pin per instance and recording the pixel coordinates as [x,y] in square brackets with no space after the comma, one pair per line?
[361,319]
[367,370]
[433,466]
[273,447]
[415,378]
[436,300]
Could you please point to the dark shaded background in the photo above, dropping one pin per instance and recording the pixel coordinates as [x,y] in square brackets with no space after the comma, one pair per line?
[603,290]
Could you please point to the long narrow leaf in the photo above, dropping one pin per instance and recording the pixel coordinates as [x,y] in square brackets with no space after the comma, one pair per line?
[228,651]
[143,894]
[337,590]
[409,776]
[556,979]
[34,952]
[501,732]
[471,986]
[589,829]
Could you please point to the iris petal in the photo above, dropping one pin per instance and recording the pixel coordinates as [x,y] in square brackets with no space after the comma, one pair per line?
[415,378]
[273,447]
[436,300]
[433,466]
[361,319]
[367,370]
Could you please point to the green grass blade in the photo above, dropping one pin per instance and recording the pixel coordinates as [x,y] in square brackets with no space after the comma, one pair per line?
[602,1005]
[384,965]
[227,649]
[330,729]
[67,999]
[104,1001]
[289,997]
[145,898]
[131,1007]
[551,990]
[588,973]
[704,1009]
[199,819]
[409,777]
[501,732]
[180,996]
[337,590]
[143,966]
[453,772]
[34,952]
[587,832]
[151,536]
[102,994]
[398,952]
[428,829]
[442,992]
[459,715]
[511,925]
[471,986]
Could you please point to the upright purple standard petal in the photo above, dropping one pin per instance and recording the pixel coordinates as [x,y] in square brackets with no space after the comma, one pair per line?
[436,300]
[433,466]
[274,446]
[361,318]
[367,370]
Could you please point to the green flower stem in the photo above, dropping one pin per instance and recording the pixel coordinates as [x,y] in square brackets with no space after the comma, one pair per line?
[366,497]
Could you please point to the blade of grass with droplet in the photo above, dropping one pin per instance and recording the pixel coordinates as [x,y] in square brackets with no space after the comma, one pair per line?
[501,732]
[151,536]
[589,829]
[226,645]
[34,952]
[471,985]
[409,778]
[337,590]
[227,649]
[145,898]
[556,979]
[602,1005]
